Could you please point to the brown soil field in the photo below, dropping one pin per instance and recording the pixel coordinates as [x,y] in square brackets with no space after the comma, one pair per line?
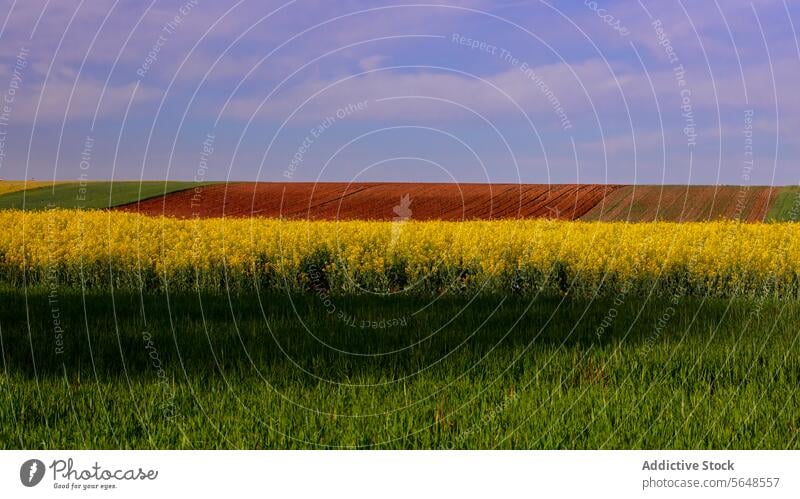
[377,201]
[680,203]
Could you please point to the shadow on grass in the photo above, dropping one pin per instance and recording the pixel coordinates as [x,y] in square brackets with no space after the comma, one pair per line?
[339,338]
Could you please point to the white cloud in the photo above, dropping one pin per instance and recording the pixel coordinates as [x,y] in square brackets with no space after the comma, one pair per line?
[494,95]
[84,100]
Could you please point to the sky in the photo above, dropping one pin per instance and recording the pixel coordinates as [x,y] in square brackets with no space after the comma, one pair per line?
[578,91]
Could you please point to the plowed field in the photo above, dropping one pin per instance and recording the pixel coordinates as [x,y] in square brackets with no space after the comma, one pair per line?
[680,203]
[378,201]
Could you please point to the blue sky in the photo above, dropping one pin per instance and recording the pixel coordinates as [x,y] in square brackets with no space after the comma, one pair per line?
[457,91]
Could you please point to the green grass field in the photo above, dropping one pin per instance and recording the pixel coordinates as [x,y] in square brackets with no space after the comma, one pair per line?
[208,371]
[786,207]
[89,195]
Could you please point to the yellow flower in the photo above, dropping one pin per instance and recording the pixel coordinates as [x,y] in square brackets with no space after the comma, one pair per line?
[716,257]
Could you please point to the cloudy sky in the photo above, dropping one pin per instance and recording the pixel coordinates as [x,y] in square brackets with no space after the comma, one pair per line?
[581,91]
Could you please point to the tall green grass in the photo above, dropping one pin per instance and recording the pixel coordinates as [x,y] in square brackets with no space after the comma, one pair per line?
[212,371]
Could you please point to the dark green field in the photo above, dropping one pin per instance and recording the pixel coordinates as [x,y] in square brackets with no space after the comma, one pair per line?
[89,195]
[499,372]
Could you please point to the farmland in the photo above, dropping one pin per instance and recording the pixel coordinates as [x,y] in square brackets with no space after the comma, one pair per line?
[674,203]
[9,186]
[377,201]
[195,370]
[101,249]
[411,201]
[128,329]
[85,195]
[786,207]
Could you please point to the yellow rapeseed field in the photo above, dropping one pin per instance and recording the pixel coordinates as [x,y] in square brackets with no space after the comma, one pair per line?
[9,186]
[99,248]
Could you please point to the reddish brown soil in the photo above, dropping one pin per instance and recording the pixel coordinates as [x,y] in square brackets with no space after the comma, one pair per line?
[680,203]
[377,201]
